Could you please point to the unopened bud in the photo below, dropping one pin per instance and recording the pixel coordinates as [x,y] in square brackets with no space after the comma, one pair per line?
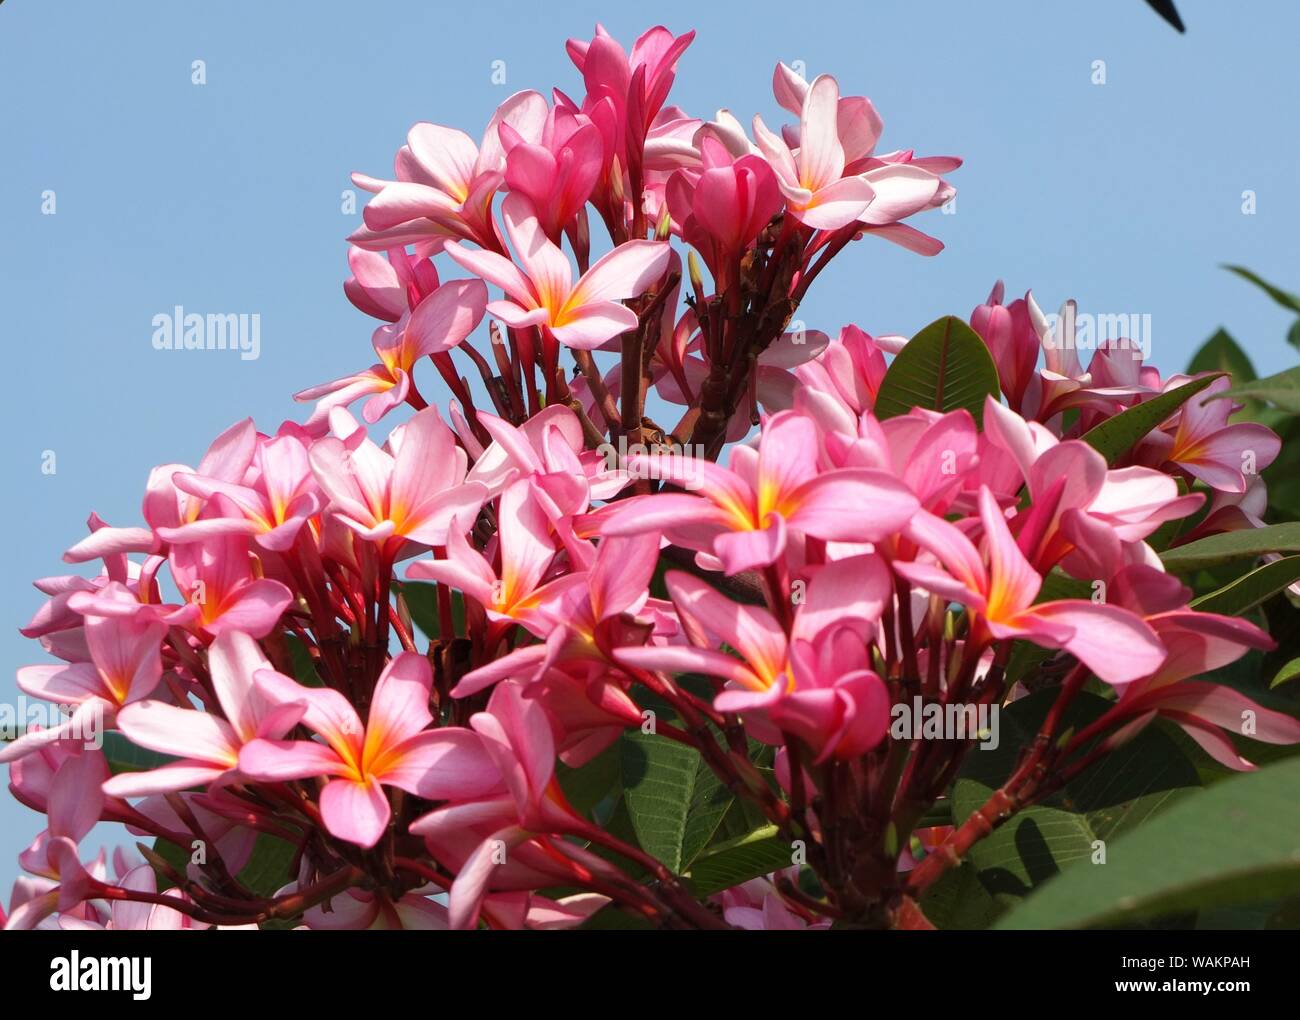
[665,224]
[582,236]
[891,840]
[616,192]
[697,275]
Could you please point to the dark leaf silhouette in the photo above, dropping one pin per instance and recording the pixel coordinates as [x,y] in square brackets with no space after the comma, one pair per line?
[1167,10]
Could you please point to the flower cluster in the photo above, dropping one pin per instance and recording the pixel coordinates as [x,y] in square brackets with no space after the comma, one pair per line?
[388,658]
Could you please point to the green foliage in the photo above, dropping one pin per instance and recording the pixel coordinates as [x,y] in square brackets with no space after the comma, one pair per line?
[759,853]
[1281,390]
[674,799]
[1115,436]
[1232,545]
[1247,592]
[124,756]
[1221,353]
[959,901]
[1121,792]
[1235,842]
[1284,298]
[1286,674]
[944,367]
[422,601]
[304,666]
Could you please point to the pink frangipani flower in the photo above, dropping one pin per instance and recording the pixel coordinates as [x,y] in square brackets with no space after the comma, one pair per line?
[742,515]
[394,748]
[445,183]
[412,491]
[584,315]
[1113,642]
[207,745]
[437,324]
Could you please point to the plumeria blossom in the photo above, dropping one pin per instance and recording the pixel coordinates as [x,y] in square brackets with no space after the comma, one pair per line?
[522,795]
[742,517]
[207,745]
[558,171]
[815,174]
[166,506]
[393,748]
[1213,451]
[1085,514]
[444,182]
[413,490]
[526,550]
[817,682]
[122,665]
[1011,339]
[222,592]
[757,905]
[1198,644]
[836,387]
[902,183]
[129,915]
[722,208]
[272,510]
[583,315]
[658,547]
[549,450]
[438,323]
[1001,587]
[625,95]
[1062,383]
[383,287]
[584,616]
[811,176]
[73,805]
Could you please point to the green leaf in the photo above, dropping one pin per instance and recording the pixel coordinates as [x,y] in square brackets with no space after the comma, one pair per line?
[727,864]
[959,901]
[1288,672]
[422,601]
[1221,353]
[944,367]
[267,869]
[1282,297]
[592,785]
[124,756]
[1120,792]
[742,818]
[1232,545]
[174,855]
[1115,436]
[1245,593]
[304,666]
[1281,390]
[710,802]
[675,801]
[1236,842]
[658,780]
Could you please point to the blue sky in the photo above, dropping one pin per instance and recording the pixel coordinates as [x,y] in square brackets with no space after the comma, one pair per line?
[226,197]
